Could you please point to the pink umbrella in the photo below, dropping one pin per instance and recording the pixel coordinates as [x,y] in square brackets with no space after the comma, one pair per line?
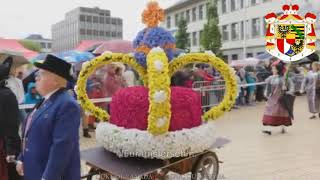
[244,62]
[116,46]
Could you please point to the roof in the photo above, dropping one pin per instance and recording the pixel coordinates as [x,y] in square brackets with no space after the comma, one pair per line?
[14,45]
[87,44]
[180,4]
[36,37]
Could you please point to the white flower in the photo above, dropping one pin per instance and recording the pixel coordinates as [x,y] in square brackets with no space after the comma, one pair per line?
[161,122]
[134,142]
[158,65]
[84,64]
[209,53]
[106,52]
[182,54]
[159,96]
[131,54]
[156,49]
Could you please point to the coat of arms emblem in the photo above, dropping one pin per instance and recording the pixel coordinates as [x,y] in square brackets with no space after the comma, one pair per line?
[290,37]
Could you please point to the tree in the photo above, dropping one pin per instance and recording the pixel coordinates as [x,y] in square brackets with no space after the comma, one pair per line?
[211,37]
[30,45]
[182,35]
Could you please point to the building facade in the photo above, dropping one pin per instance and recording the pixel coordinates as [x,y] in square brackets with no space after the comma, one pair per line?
[194,12]
[241,23]
[45,44]
[85,24]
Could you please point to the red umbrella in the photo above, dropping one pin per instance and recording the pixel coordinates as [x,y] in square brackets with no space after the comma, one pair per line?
[116,46]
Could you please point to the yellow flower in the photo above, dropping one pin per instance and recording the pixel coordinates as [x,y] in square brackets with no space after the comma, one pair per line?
[90,67]
[159,80]
[228,75]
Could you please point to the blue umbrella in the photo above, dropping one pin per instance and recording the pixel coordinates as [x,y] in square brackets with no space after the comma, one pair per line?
[75,56]
[69,56]
[39,58]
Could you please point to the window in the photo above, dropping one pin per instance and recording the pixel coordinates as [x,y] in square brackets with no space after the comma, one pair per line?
[200,34]
[194,14]
[95,19]
[225,33]
[176,19]
[267,1]
[247,32]
[43,45]
[254,2]
[82,18]
[207,9]
[241,4]
[114,34]
[200,12]
[89,32]
[224,6]
[169,22]
[189,40]
[119,21]
[119,34]
[95,33]
[255,27]
[182,15]
[225,57]
[235,31]
[234,57]
[82,31]
[49,45]
[258,53]
[113,21]
[107,20]
[233,5]
[249,55]
[108,33]
[101,20]
[194,39]
[264,28]
[188,15]
[89,18]
[101,33]
[242,30]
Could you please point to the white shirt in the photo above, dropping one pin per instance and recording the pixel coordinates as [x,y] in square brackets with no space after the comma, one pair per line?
[16,87]
[46,97]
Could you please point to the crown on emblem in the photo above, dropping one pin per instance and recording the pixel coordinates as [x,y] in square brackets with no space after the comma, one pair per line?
[290,9]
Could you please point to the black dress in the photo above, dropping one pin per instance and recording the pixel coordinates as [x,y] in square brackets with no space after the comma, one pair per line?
[9,128]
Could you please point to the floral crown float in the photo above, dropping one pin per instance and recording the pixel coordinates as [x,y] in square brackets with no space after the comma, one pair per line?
[156,120]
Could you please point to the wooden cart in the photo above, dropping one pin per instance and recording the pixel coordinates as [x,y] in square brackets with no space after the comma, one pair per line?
[105,165]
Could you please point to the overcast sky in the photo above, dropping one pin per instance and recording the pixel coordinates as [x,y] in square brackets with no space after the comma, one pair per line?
[19,18]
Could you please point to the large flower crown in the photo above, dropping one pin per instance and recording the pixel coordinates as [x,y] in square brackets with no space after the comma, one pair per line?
[154,62]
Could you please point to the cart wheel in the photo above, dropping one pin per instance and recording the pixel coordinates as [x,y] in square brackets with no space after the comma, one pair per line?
[206,167]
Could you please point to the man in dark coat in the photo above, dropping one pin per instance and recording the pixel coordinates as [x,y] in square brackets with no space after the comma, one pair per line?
[50,148]
[9,126]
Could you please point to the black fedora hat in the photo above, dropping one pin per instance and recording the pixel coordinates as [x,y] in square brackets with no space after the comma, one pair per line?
[56,66]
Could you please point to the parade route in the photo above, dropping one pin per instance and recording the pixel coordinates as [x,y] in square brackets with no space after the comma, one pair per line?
[253,155]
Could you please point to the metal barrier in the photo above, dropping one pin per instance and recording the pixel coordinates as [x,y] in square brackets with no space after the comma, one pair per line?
[211,93]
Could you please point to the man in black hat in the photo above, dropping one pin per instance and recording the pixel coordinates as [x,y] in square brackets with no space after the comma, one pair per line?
[50,133]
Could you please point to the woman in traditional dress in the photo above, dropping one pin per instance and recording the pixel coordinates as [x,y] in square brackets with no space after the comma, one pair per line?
[9,126]
[275,113]
[310,84]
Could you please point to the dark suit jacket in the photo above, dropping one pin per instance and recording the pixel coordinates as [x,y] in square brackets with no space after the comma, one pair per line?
[52,142]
